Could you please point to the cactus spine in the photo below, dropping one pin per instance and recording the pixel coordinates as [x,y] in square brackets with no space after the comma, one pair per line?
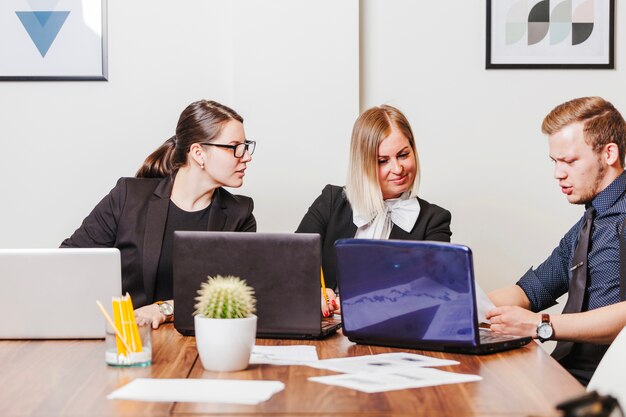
[225,298]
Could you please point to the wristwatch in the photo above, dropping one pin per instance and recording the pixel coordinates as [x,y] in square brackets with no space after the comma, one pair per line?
[166,309]
[545,330]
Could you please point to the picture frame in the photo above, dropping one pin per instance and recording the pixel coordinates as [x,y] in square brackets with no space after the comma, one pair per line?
[53,40]
[544,34]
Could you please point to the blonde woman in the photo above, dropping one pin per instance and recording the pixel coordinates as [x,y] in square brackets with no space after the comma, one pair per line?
[380,198]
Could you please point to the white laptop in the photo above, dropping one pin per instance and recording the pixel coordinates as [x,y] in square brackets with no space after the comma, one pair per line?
[52,293]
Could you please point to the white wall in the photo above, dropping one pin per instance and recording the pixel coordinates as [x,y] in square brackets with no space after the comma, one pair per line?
[64,144]
[296,67]
[289,67]
[478,131]
[299,72]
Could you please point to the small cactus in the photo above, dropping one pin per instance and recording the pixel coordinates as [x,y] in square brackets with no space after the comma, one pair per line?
[225,298]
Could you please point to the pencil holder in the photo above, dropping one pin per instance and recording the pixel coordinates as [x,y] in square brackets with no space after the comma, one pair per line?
[140,354]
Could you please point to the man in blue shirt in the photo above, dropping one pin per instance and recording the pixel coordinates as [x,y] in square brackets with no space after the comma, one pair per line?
[587,142]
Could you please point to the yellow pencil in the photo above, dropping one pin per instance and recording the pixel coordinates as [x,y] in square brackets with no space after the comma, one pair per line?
[128,328]
[110,321]
[118,318]
[323,286]
[137,346]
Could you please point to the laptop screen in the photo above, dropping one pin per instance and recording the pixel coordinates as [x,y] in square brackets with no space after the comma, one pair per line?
[407,291]
[283,269]
[51,293]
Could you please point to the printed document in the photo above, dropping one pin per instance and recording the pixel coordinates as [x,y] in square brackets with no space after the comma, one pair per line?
[409,378]
[384,362]
[483,304]
[283,355]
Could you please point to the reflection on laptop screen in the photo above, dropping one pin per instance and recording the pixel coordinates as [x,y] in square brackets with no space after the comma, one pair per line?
[396,290]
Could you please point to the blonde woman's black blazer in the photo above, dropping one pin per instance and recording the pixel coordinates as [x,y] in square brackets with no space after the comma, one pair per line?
[330,216]
[132,218]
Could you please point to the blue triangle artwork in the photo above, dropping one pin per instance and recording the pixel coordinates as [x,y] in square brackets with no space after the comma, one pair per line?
[42,27]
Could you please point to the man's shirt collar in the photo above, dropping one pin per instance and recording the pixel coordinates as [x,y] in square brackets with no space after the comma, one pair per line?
[607,197]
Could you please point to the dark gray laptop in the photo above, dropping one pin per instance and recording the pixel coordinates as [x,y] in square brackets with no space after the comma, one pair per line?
[411,294]
[283,269]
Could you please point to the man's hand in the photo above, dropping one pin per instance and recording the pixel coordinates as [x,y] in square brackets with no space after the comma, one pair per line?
[513,320]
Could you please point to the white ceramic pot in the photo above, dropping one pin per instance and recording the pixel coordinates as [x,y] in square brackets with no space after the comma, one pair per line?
[225,344]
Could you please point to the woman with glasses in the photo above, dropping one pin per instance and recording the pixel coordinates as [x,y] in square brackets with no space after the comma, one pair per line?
[380,198]
[179,187]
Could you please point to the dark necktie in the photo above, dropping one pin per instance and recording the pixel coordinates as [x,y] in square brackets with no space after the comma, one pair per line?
[578,284]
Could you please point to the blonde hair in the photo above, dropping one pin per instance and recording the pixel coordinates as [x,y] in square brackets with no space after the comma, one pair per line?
[370,129]
[603,124]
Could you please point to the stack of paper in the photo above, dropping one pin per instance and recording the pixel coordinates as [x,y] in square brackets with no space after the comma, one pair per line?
[384,362]
[389,371]
[483,303]
[198,390]
[383,381]
[283,355]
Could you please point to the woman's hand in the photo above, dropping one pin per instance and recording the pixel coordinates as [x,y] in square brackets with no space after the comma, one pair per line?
[150,314]
[332,307]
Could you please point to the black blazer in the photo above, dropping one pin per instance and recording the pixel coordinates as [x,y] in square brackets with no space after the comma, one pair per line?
[331,217]
[132,218]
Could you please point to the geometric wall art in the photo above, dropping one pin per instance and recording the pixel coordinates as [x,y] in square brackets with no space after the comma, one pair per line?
[53,40]
[550,34]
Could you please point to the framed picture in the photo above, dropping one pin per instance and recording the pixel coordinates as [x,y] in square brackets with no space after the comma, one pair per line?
[53,40]
[550,34]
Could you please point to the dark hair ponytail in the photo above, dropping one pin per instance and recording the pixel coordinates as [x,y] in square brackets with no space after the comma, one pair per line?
[159,164]
[201,122]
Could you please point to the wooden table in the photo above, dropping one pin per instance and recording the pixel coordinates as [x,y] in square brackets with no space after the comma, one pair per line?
[70,378]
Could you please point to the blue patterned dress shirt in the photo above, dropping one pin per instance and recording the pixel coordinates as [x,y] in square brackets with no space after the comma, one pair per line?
[550,280]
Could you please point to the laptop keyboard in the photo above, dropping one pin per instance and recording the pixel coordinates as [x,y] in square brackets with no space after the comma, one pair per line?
[330,322]
[487,336]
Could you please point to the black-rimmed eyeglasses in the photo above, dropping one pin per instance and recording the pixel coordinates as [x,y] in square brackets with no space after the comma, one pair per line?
[239,149]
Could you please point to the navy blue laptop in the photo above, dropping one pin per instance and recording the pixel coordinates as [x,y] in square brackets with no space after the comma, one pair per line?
[412,294]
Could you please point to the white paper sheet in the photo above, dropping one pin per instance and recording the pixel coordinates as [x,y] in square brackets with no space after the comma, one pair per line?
[483,304]
[409,378]
[283,355]
[198,390]
[384,362]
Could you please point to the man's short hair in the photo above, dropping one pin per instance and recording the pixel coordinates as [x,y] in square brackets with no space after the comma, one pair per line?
[603,124]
